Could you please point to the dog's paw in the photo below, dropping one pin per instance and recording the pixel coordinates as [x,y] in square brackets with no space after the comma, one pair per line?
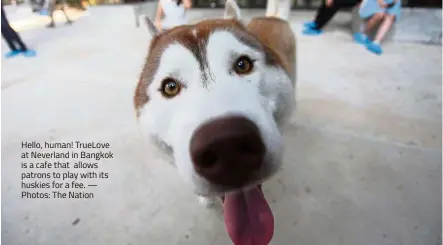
[206,201]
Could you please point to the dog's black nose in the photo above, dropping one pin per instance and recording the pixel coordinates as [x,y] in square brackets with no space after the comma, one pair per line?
[227,151]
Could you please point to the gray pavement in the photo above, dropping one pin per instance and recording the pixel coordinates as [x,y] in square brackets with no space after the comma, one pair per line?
[363,164]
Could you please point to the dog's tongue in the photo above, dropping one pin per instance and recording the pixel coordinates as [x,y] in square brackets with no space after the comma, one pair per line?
[248,218]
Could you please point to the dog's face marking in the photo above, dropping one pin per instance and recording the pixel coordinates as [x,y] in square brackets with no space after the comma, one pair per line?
[201,59]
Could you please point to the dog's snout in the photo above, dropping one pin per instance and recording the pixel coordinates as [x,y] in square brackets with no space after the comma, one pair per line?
[227,151]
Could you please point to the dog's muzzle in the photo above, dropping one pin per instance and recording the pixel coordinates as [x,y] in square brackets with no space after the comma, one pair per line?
[228,151]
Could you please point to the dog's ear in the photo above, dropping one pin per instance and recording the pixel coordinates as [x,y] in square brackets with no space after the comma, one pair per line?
[148,23]
[232,11]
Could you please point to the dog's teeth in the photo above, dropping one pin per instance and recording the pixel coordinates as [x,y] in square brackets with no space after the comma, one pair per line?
[206,201]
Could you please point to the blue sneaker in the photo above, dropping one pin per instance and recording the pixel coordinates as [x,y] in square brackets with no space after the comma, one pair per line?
[361,38]
[11,54]
[374,48]
[309,24]
[29,53]
[312,32]
[44,12]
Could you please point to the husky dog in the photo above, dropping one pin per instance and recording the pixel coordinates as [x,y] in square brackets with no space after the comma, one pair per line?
[214,96]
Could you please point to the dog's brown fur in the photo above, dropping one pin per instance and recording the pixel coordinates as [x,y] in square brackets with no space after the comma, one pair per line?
[277,35]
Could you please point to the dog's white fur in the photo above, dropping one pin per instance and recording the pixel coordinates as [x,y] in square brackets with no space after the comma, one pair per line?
[265,96]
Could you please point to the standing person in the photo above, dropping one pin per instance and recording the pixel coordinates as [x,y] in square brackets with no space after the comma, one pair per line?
[171,13]
[325,13]
[376,11]
[13,40]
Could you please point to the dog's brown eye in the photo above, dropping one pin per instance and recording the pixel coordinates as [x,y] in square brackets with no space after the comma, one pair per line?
[170,88]
[243,65]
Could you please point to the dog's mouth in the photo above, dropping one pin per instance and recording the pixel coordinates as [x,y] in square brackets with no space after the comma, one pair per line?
[248,217]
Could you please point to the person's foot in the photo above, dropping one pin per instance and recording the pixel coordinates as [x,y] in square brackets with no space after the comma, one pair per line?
[312,32]
[68,22]
[361,38]
[29,53]
[374,48]
[44,12]
[11,54]
[309,24]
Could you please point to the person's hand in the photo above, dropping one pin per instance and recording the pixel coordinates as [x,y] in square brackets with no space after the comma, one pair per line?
[329,3]
[382,4]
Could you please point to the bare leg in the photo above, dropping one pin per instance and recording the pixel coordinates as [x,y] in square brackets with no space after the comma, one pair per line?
[272,7]
[375,47]
[284,9]
[384,28]
[373,22]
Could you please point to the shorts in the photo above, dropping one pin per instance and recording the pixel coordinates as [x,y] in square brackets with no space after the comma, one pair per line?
[370,7]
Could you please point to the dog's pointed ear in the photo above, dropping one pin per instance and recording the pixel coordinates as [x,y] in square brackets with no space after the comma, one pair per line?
[232,11]
[148,23]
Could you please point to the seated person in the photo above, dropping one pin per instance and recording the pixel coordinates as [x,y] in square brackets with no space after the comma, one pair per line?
[325,13]
[376,11]
[171,13]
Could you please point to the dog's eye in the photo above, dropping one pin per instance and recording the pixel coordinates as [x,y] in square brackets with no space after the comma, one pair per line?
[243,65]
[170,88]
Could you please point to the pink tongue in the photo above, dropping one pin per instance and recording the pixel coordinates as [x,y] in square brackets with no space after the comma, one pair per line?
[248,218]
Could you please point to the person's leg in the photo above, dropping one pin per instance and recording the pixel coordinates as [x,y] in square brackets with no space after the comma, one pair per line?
[6,34]
[384,28]
[381,33]
[324,14]
[320,10]
[19,46]
[373,22]
[271,7]
[46,7]
[17,39]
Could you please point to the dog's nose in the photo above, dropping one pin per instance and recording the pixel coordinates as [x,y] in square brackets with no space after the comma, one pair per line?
[227,151]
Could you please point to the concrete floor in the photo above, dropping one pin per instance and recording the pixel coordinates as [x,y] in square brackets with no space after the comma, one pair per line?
[363,164]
